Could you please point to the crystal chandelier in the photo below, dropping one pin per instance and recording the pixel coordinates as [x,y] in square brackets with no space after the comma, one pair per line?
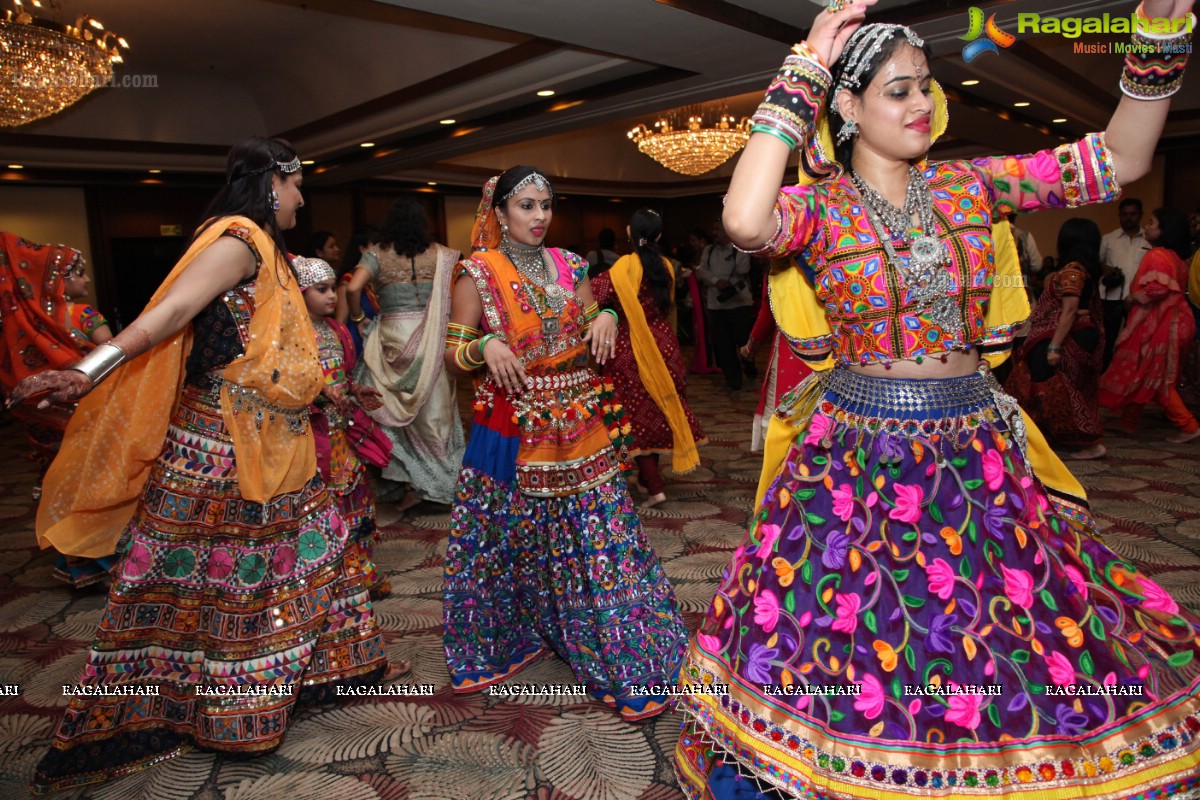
[46,66]
[689,148]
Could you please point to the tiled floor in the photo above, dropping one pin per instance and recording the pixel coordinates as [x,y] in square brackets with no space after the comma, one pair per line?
[1146,495]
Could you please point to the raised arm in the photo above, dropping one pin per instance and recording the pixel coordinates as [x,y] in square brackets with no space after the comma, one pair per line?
[785,120]
[1147,83]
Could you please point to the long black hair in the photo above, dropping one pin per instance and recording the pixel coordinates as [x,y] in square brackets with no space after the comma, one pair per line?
[247,189]
[1173,232]
[406,229]
[645,226]
[897,40]
[1079,242]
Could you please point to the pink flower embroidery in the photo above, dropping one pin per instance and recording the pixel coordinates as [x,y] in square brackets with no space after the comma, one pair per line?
[1062,671]
[843,502]
[766,610]
[870,697]
[847,612]
[1077,579]
[941,578]
[1018,585]
[769,534]
[818,426]
[1157,598]
[710,644]
[964,710]
[908,503]
[1043,168]
[993,470]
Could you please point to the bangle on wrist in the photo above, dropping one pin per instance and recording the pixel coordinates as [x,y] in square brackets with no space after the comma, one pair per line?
[98,364]
[1054,348]
[361,316]
[772,130]
[1155,63]
[615,316]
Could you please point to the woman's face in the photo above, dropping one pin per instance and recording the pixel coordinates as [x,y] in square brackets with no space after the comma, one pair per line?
[1151,230]
[290,201]
[75,283]
[527,214]
[895,113]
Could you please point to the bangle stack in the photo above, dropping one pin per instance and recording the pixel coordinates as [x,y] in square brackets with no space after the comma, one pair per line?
[787,111]
[1154,64]
[591,312]
[460,338]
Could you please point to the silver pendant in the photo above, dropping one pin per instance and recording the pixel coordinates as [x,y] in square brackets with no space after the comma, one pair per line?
[551,326]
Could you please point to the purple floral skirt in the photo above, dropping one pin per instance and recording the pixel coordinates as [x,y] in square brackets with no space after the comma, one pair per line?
[912,613]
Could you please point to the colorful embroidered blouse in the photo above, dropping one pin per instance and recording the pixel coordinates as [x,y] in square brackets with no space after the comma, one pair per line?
[865,312]
[84,320]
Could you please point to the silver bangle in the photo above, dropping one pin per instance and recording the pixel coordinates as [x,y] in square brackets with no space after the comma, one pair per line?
[100,362]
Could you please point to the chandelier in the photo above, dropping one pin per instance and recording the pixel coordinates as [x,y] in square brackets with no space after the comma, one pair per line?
[46,66]
[688,147]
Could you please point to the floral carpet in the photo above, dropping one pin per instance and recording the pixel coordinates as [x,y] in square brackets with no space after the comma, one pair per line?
[1146,494]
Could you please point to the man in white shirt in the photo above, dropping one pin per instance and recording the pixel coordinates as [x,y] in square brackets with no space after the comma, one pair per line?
[725,272]
[1121,253]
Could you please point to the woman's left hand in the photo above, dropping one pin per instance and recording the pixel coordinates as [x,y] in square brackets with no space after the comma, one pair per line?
[602,333]
[1053,357]
[368,397]
[1170,9]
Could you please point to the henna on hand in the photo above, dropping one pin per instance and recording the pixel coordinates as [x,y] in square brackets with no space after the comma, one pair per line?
[60,386]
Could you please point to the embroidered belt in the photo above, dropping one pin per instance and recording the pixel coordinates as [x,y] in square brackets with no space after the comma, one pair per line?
[247,399]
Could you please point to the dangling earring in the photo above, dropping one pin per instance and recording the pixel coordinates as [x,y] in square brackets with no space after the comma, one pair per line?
[849,131]
[504,231]
[273,200]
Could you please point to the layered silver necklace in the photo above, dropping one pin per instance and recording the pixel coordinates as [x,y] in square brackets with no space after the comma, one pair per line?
[548,300]
[924,273]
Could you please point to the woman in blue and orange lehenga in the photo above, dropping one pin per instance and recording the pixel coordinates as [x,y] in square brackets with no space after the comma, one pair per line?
[546,551]
[232,601]
[922,606]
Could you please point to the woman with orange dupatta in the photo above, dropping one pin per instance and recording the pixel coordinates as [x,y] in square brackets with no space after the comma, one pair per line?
[647,369]
[1157,332]
[546,552]
[43,329]
[235,597]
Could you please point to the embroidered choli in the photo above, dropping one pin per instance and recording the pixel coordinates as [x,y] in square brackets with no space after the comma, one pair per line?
[222,327]
[859,310]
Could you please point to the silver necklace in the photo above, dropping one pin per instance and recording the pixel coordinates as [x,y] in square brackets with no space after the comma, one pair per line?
[924,272]
[548,298]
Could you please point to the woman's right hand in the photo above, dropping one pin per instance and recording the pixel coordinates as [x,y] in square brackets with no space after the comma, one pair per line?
[504,367]
[60,386]
[830,32]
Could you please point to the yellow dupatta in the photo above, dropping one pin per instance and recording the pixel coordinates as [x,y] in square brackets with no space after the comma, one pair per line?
[115,436]
[626,276]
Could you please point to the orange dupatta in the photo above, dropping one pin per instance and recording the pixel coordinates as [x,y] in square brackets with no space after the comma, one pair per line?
[626,277]
[93,487]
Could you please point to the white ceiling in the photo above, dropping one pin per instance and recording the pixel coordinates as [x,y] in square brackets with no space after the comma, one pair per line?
[329,74]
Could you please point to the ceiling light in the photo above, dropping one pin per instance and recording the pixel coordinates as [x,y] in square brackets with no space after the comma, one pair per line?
[971,82]
[154,171]
[16,166]
[367,144]
[685,146]
[308,163]
[433,183]
[1021,104]
[546,93]
[447,121]
[46,66]
[1059,121]
[564,105]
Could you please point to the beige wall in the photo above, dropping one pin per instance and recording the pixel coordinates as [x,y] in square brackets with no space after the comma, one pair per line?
[48,216]
[460,216]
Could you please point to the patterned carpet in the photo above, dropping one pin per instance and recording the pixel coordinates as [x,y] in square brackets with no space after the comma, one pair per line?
[1146,494]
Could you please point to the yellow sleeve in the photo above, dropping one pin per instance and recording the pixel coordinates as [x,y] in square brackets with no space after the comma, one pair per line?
[1008,307]
[799,314]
